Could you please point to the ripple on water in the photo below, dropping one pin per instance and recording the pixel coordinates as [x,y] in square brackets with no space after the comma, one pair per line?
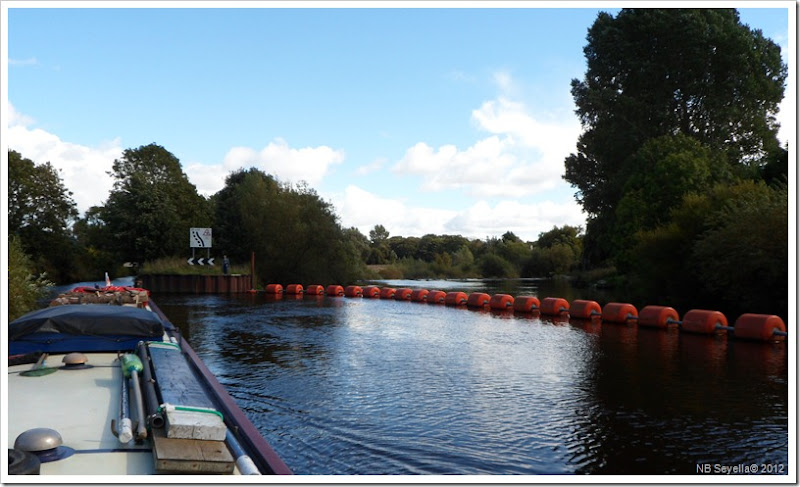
[359,386]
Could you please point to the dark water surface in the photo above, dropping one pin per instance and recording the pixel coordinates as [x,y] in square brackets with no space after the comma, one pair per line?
[370,386]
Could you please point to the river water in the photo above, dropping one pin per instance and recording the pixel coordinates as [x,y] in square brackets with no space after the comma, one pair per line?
[371,386]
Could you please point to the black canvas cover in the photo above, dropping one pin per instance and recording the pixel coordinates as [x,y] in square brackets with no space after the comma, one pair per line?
[88,319]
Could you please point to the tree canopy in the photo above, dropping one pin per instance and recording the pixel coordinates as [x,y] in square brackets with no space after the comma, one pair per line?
[153,205]
[295,234]
[652,73]
[41,212]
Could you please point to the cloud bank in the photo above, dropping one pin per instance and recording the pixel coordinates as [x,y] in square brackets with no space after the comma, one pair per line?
[83,169]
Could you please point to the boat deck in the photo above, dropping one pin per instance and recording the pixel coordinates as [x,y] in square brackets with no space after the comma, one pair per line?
[192,425]
[80,405]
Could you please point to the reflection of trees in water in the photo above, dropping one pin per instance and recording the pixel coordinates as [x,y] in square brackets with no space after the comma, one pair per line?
[660,402]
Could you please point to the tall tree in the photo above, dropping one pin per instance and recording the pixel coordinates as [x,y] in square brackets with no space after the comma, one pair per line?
[152,206]
[294,233]
[41,212]
[657,72]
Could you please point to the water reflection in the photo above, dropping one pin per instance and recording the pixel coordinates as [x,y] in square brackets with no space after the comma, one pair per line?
[371,386]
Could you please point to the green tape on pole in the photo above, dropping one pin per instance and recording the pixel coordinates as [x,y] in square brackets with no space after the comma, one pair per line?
[129,363]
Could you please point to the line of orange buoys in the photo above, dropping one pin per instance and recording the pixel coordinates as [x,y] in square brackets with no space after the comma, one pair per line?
[748,326]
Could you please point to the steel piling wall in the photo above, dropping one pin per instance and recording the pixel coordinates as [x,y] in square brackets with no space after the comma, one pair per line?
[196,284]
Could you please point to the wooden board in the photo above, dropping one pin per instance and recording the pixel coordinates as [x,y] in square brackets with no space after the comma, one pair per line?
[178,455]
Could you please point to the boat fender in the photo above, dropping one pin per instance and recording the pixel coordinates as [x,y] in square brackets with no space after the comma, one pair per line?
[23,463]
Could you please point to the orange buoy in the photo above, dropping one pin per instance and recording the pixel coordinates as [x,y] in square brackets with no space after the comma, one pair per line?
[353,291]
[315,289]
[526,304]
[658,316]
[403,294]
[372,292]
[478,300]
[419,295]
[455,298]
[293,289]
[619,312]
[273,289]
[501,301]
[554,306]
[584,309]
[703,321]
[435,297]
[335,290]
[387,293]
[759,327]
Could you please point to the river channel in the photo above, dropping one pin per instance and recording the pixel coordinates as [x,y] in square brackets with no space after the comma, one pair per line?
[371,386]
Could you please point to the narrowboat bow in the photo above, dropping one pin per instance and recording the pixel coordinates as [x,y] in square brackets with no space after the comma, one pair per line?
[101,382]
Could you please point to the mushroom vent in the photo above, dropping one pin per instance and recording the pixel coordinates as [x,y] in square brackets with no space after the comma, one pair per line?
[75,360]
[45,443]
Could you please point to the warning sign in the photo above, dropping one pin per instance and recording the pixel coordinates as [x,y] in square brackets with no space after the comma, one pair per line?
[200,238]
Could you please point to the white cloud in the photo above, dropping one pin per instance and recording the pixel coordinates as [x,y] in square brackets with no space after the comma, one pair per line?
[526,220]
[552,139]
[485,169]
[523,155]
[309,164]
[16,118]
[23,62]
[503,80]
[373,166]
[207,178]
[362,209]
[83,169]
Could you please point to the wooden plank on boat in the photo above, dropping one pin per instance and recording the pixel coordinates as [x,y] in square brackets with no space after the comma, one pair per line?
[178,455]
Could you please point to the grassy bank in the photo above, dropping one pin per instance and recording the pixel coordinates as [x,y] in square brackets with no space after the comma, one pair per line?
[179,266]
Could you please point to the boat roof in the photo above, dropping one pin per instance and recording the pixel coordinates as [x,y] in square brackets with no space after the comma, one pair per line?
[80,402]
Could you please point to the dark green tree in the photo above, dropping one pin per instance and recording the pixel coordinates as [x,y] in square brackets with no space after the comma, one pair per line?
[556,251]
[404,247]
[295,234]
[41,212]
[379,234]
[725,249]
[742,257]
[380,253]
[492,265]
[661,172]
[230,211]
[657,72]
[152,206]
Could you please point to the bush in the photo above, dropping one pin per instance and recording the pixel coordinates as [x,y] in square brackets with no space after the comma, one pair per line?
[492,265]
[24,289]
[725,249]
[743,256]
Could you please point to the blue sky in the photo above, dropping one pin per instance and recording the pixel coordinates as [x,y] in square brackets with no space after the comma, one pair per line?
[424,120]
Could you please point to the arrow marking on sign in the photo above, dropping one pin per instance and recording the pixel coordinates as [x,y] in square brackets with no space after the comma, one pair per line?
[210,261]
[190,261]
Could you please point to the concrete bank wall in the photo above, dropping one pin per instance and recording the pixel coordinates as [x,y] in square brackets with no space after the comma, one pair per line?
[194,284]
